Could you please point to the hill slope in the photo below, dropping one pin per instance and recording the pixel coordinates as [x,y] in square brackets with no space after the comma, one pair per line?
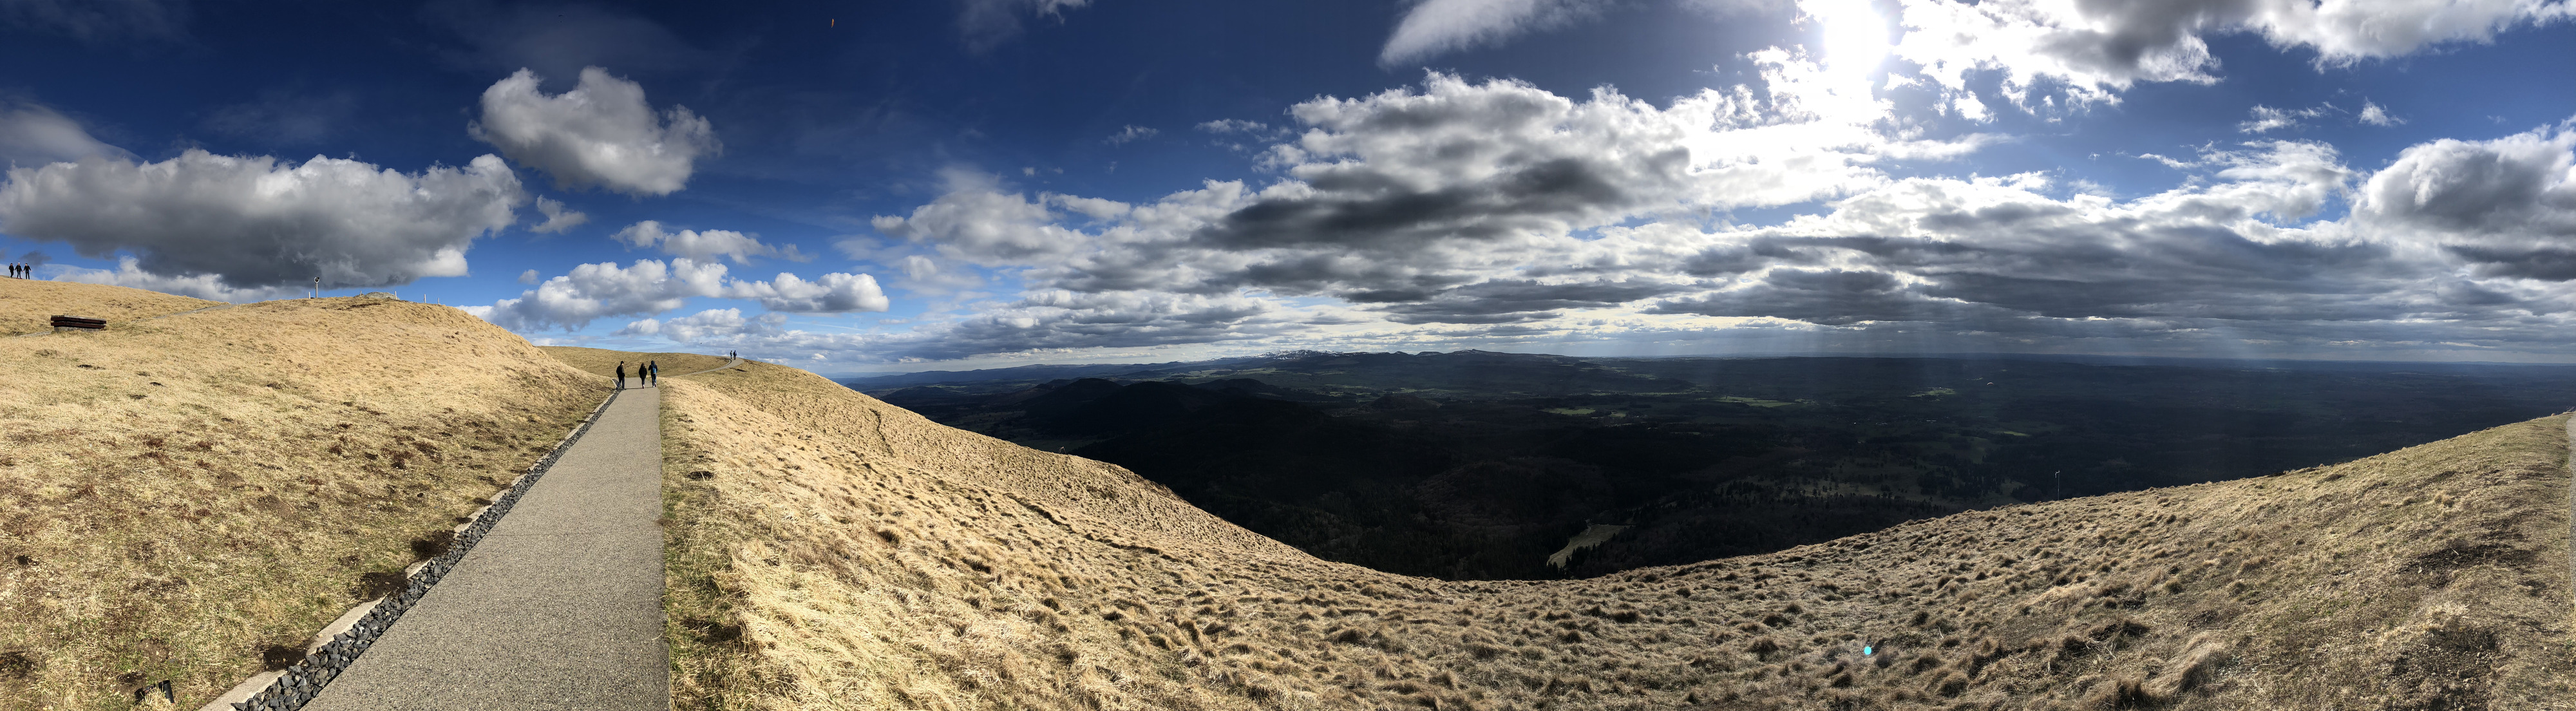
[179,495]
[27,305]
[831,551]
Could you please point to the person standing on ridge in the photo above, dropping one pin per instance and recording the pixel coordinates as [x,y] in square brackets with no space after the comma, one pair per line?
[621,375]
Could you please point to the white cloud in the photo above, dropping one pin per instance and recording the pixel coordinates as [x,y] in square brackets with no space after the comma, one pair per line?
[703,246]
[255,222]
[711,323]
[2099,49]
[528,277]
[2377,115]
[204,286]
[1226,126]
[2507,207]
[558,219]
[832,293]
[1130,134]
[2267,118]
[601,133]
[977,222]
[35,135]
[1435,27]
[605,290]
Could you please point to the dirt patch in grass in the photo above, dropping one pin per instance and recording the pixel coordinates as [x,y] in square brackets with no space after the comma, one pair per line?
[181,498]
[836,552]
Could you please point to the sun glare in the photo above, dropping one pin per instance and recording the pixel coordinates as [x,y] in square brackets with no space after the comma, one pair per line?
[1855,36]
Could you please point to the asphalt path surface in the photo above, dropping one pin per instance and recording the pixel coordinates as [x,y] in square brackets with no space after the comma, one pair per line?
[559,607]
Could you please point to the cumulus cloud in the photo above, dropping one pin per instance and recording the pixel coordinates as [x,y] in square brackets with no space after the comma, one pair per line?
[2095,49]
[2506,206]
[708,324]
[32,135]
[1434,27]
[528,277]
[985,24]
[129,273]
[1419,205]
[832,293]
[703,246]
[601,133]
[252,222]
[558,218]
[978,222]
[605,290]
[650,286]
[2377,115]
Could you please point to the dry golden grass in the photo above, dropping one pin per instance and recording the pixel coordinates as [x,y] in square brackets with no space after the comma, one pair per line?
[604,362]
[177,495]
[831,551]
[28,305]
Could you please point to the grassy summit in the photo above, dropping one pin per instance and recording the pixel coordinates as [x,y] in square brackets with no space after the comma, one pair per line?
[832,551]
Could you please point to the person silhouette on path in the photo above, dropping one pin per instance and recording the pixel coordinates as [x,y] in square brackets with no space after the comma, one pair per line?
[621,375]
[653,370]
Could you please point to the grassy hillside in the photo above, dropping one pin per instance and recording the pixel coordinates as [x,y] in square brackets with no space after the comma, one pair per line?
[179,495]
[603,363]
[830,551]
[28,305]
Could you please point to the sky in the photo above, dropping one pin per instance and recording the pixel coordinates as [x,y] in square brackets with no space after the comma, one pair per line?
[886,187]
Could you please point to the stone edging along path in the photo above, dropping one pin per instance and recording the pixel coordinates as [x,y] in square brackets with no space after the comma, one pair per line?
[340,643]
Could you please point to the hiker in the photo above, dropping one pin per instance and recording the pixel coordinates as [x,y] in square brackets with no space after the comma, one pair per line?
[621,375]
[653,369]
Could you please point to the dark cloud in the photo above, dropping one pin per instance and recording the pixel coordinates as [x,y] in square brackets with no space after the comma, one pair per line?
[2515,183]
[256,222]
[1506,300]
[2546,263]
[1830,297]
[1362,209]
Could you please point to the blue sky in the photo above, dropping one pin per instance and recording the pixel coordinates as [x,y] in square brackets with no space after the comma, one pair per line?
[906,186]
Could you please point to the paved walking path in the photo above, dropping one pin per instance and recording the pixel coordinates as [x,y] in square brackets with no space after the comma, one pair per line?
[728,364]
[559,607]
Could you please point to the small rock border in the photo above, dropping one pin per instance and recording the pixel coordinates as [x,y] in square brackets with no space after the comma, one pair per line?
[299,683]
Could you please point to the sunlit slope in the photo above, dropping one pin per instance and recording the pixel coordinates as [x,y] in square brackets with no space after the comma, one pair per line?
[830,551]
[602,362]
[179,494]
[28,305]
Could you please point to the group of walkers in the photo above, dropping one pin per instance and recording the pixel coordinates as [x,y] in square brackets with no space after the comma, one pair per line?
[22,271]
[647,373]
